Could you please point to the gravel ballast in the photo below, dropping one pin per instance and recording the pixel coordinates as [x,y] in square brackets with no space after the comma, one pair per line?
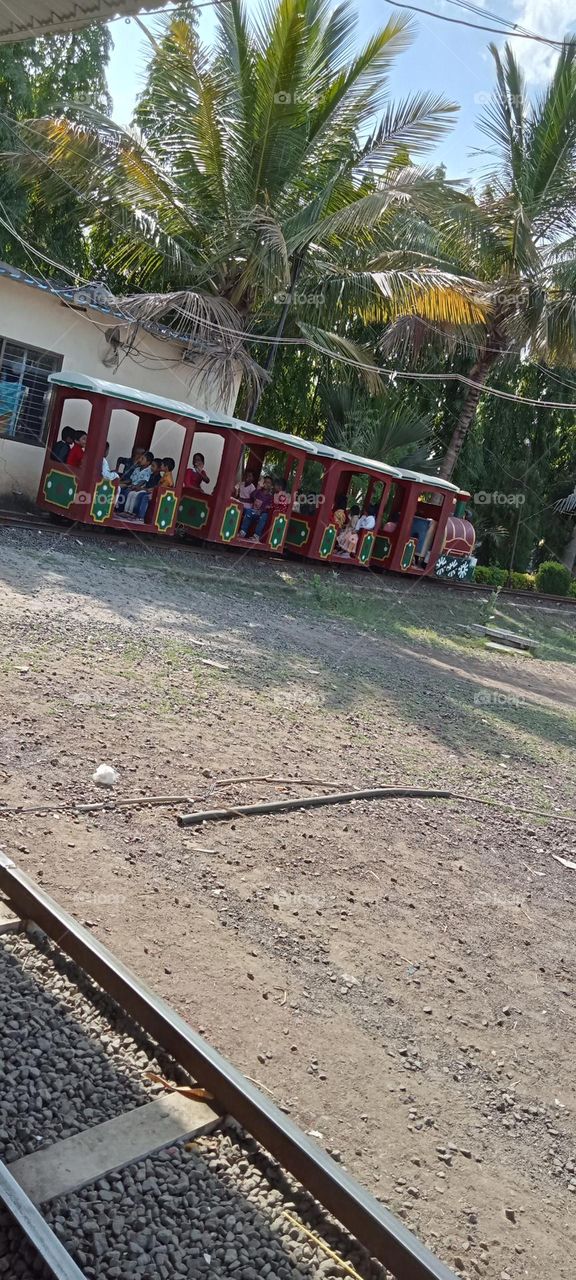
[65,1065]
[215,1207]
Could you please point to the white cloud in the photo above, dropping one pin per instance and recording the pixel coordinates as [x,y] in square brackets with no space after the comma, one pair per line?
[551,18]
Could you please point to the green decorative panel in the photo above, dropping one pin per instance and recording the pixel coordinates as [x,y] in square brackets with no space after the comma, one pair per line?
[103,501]
[193,512]
[166,513]
[231,522]
[277,532]
[328,539]
[460,568]
[366,548]
[408,554]
[60,489]
[382,547]
[298,532]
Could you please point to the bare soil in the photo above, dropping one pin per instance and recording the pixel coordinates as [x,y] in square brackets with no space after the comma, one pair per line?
[398,975]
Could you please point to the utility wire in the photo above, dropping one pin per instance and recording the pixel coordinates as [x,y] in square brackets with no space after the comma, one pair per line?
[475,26]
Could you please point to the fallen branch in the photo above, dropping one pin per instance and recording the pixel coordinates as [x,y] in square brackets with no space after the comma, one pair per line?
[95,806]
[346,797]
[305,802]
[291,782]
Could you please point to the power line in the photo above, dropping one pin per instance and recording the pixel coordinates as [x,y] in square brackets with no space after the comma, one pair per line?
[515,33]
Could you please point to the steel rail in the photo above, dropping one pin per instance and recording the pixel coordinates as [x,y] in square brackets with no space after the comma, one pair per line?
[36,1229]
[374,1226]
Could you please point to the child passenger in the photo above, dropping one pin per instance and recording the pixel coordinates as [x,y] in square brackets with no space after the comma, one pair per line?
[107,473]
[61,450]
[347,539]
[160,480]
[137,483]
[77,451]
[196,475]
[245,489]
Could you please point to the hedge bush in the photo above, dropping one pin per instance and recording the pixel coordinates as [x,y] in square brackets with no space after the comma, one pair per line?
[522,582]
[553,578]
[490,574]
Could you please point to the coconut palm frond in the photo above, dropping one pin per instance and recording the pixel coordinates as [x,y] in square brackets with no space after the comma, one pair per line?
[358,358]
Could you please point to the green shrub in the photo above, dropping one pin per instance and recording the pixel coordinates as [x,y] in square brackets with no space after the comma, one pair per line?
[522,582]
[553,578]
[572,591]
[493,576]
[490,574]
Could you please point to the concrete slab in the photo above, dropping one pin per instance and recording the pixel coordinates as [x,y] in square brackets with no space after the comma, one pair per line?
[9,921]
[74,1162]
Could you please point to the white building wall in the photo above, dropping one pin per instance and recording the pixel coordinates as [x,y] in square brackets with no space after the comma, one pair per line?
[38,319]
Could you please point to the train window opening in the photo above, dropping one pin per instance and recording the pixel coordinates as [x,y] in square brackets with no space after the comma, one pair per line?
[425,523]
[121,436]
[204,461]
[309,499]
[168,441]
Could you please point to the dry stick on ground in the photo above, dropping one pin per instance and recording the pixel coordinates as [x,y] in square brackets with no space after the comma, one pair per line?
[132,801]
[346,797]
[305,802]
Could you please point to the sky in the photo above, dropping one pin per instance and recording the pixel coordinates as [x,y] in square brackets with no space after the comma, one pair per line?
[444,58]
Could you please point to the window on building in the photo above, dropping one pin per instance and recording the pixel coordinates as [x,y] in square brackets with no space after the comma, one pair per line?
[25,391]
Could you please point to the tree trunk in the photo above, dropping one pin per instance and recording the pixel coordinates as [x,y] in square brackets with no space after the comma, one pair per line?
[270,360]
[569,552]
[479,374]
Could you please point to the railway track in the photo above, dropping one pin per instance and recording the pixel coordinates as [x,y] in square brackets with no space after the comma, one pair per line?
[108,1174]
[85,533]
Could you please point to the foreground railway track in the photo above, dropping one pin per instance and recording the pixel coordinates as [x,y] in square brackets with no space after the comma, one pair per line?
[251,1195]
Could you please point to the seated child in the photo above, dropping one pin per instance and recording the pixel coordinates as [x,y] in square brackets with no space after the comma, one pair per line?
[245,489]
[339,516]
[281,498]
[196,475]
[259,511]
[61,450]
[137,482]
[367,520]
[77,451]
[107,473]
[160,480]
[347,539]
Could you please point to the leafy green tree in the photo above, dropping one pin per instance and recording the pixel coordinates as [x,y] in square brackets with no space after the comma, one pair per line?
[260,189]
[519,239]
[38,77]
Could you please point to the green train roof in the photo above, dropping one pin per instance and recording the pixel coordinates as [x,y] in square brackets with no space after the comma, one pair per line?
[314,447]
[83,382]
[146,400]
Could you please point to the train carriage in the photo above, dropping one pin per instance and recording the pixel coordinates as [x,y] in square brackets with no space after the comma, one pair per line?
[126,419]
[402,520]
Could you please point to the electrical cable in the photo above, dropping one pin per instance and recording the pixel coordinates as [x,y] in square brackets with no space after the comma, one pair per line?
[461,22]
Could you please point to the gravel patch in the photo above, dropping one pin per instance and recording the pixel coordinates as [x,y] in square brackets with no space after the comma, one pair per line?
[68,1061]
[18,1259]
[215,1207]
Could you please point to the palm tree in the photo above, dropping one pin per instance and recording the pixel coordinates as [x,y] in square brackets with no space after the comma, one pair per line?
[385,427]
[520,238]
[259,189]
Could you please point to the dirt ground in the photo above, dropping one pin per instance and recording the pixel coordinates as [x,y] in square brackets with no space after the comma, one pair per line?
[398,975]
